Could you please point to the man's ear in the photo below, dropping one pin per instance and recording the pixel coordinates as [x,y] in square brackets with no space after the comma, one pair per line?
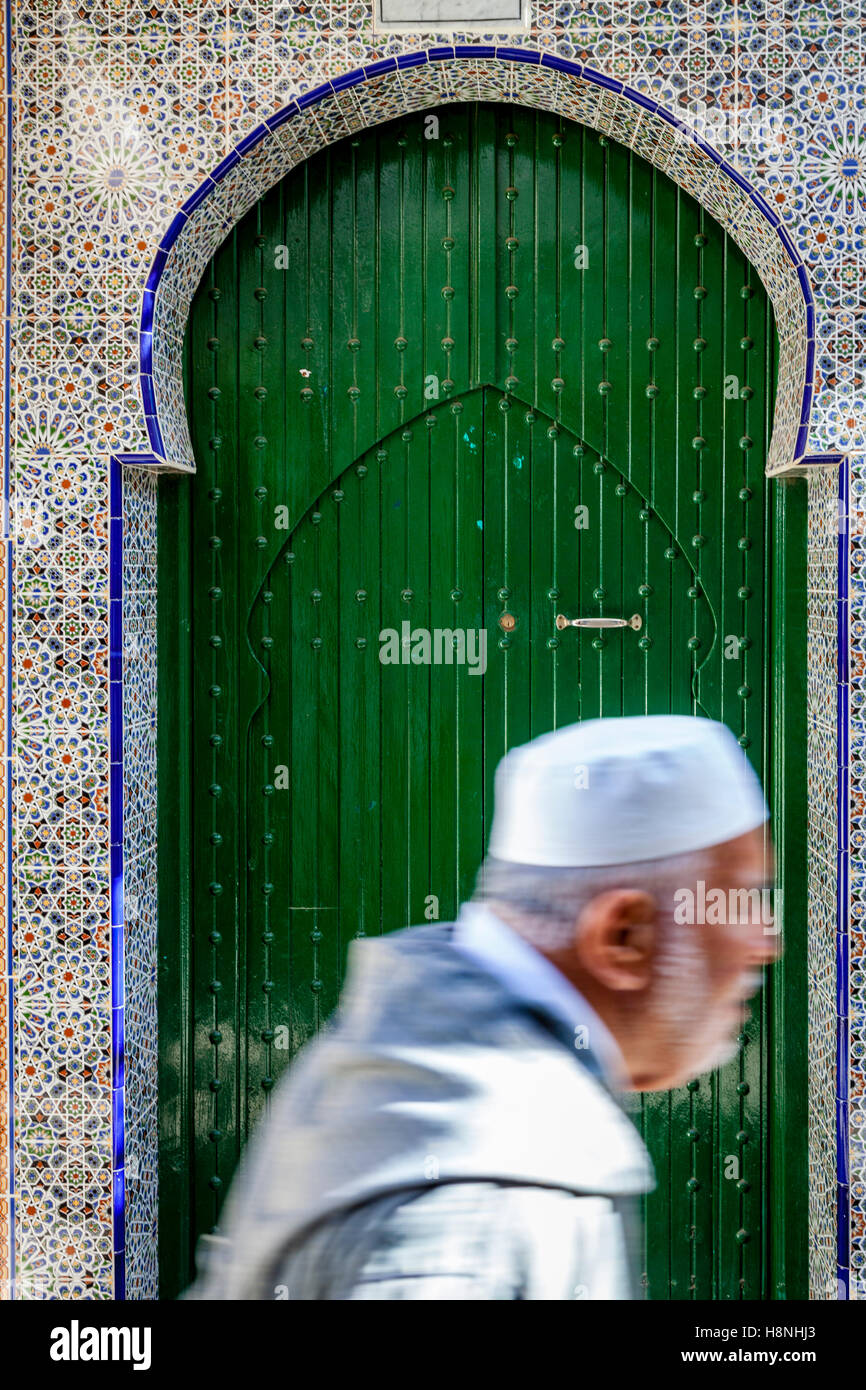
[614,938]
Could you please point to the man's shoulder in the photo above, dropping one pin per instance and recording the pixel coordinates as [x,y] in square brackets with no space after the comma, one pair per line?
[423,953]
[419,976]
[419,936]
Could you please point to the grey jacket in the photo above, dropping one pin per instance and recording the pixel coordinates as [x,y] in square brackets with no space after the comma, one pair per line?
[442,1139]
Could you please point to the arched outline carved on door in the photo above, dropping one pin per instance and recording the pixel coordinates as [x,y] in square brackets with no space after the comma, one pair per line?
[271,560]
[417,81]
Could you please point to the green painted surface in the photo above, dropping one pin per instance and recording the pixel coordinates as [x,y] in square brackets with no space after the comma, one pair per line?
[508,371]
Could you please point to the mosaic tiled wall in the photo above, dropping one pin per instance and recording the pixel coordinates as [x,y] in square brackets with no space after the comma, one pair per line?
[853,894]
[139,877]
[121,111]
[827,926]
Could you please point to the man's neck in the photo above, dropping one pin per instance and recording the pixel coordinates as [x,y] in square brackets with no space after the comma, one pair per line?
[535,931]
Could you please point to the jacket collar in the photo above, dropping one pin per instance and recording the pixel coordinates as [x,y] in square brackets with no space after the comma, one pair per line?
[533,980]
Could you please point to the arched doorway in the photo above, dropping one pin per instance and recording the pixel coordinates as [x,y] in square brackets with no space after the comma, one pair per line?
[468,370]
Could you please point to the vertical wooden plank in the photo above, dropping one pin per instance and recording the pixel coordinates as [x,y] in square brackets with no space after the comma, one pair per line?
[359,728]
[300,576]
[219,771]
[638,657]
[723,572]
[514,491]
[285,305]
[270,849]
[573,364]
[692,1106]
[316,416]
[595,285]
[370,752]
[366,302]
[450,366]
[444,209]
[446,613]
[700,291]
[616,538]
[612,348]
[341,291]
[537,448]
[299,357]
[786,1069]
[307,435]
[488,255]
[255,353]
[329,751]
[755,545]
[641,298]
[469,613]
[393,325]
[601,516]
[416,606]
[266,821]
[659,363]
[492,525]
[395,679]
[545,325]
[571,537]
[525,234]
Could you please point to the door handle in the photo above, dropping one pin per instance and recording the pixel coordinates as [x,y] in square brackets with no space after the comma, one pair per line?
[635,622]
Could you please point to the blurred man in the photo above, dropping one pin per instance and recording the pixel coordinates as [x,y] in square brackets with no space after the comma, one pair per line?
[455,1133]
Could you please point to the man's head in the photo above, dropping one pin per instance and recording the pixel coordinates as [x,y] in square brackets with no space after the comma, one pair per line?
[665,946]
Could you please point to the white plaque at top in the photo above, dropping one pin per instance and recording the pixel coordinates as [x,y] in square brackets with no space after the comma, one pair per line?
[427,16]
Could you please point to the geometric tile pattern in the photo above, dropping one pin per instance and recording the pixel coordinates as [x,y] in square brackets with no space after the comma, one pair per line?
[139,880]
[855,899]
[826,852]
[121,110]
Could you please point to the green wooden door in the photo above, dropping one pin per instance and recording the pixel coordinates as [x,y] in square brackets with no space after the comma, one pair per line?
[445,383]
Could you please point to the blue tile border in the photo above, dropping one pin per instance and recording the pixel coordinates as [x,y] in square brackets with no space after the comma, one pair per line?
[203,191]
[288,112]
[154,461]
[231,159]
[566,65]
[251,140]
[824,460]
[175,227]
